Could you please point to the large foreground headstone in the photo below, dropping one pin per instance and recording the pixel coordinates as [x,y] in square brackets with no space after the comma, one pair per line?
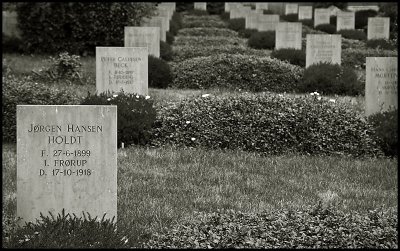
[122,68]
[291,8]
[323,48]
[321,16]
[381,84]
[345,20]
[66,159]
[378,28]
[143,37]
[305,12]
[288,35]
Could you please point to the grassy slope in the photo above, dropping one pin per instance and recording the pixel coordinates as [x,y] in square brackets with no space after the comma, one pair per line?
[158,187]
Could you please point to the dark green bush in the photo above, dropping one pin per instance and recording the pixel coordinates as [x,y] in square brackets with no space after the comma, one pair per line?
[307,22]
[266,123]
[290,17]
[215,8]
[197,12]
[246,33]
[184,6]
[353,34]
[390,9]
[237,72]
[293,56]
[225,16]
[77,27]
[165,51]
[237,24]
[26,92]
[177,19]
[207,31]
[160,75]
[11,44]
[135,115]
[361,18]
[355,58]
[311,228]
[268,12]
[386,130]
[173,28]
[170,38]
[328,28]
[262,40]
[66,231]
[333,20]
[381,44]
[329,79]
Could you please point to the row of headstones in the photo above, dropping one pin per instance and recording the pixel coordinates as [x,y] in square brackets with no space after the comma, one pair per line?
[378,27]
[67,155]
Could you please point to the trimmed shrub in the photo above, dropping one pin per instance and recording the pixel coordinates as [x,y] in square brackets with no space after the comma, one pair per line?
[173,28]
[248,73]
[204,23]
[196,12]
[27,92]
[361,18]
[313,227]
[290,18]
[329,79]
[215,8]
[208,41]
[262,40]
[355,58]
[181,53]
[135,115]
[225,16]
[77,27]
[11,44]
[386,131]
[246,33]
[380,44]
[184,6]
[177,19]
[268,12]
[328,28]
[293,56]
[160,75]
[353,34]
[352,43]
[266,123]
[237,24]
[169,38]
[50,232]
[165,51]
[307,22]
[207,31]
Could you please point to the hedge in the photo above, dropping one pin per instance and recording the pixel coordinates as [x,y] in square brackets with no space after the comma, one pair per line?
[207,31]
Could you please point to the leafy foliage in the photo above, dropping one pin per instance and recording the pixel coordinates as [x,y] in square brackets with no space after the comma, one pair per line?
[266,123]
[386,130]
[293,56]
[207,31]
[245,72]
[328,28]
[318,227]
[197,12]
[237,24]
[135,115]
[27,92]
[207,41]
[77,27]
[331,79]
[160,75]
[307,22]
[215,8]
[65,231]
[11,44]
[381,44]
[169,37]
[355,58]
[353,34]
[203,21]
[262,40]
[246,33]
[165,51]
[361,18]
[290,17]
[224,16]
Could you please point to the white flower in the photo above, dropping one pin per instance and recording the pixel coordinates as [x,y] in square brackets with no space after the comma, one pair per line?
[319,98]
[205,95]
[312,94]
[193,139]
[109,99]
[115,95]
[137,96]
[188,122]
[332,100]
[280,95]
[316,93]
[147,97]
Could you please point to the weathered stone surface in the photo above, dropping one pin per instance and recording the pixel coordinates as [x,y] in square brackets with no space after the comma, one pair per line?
[291,8]
[200,6]
[345,20]
[321,16]
[288,35]
[323,48]
[143,37]
[378,28]
[305,12]
[156,22]
[267,22]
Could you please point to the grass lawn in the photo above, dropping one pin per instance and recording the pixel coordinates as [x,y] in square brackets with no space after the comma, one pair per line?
[159,187]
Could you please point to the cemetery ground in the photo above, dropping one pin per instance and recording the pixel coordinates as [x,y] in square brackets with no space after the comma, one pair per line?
[188,195]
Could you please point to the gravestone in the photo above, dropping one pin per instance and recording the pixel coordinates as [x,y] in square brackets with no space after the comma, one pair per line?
[171,5]
[165,18]
[66,159]
[321,16]
[288,35]
[143,37]
[10,24]
[261,6]
[305,12]
[378,28]
[291,8]
[323,48]
[165,10]
[381,84]
[267,22]
[345,21]
[122,68]
[357,6]
[252,20]
[156,22]
[200,6]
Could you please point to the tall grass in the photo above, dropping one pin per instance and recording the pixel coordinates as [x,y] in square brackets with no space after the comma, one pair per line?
[158,187]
